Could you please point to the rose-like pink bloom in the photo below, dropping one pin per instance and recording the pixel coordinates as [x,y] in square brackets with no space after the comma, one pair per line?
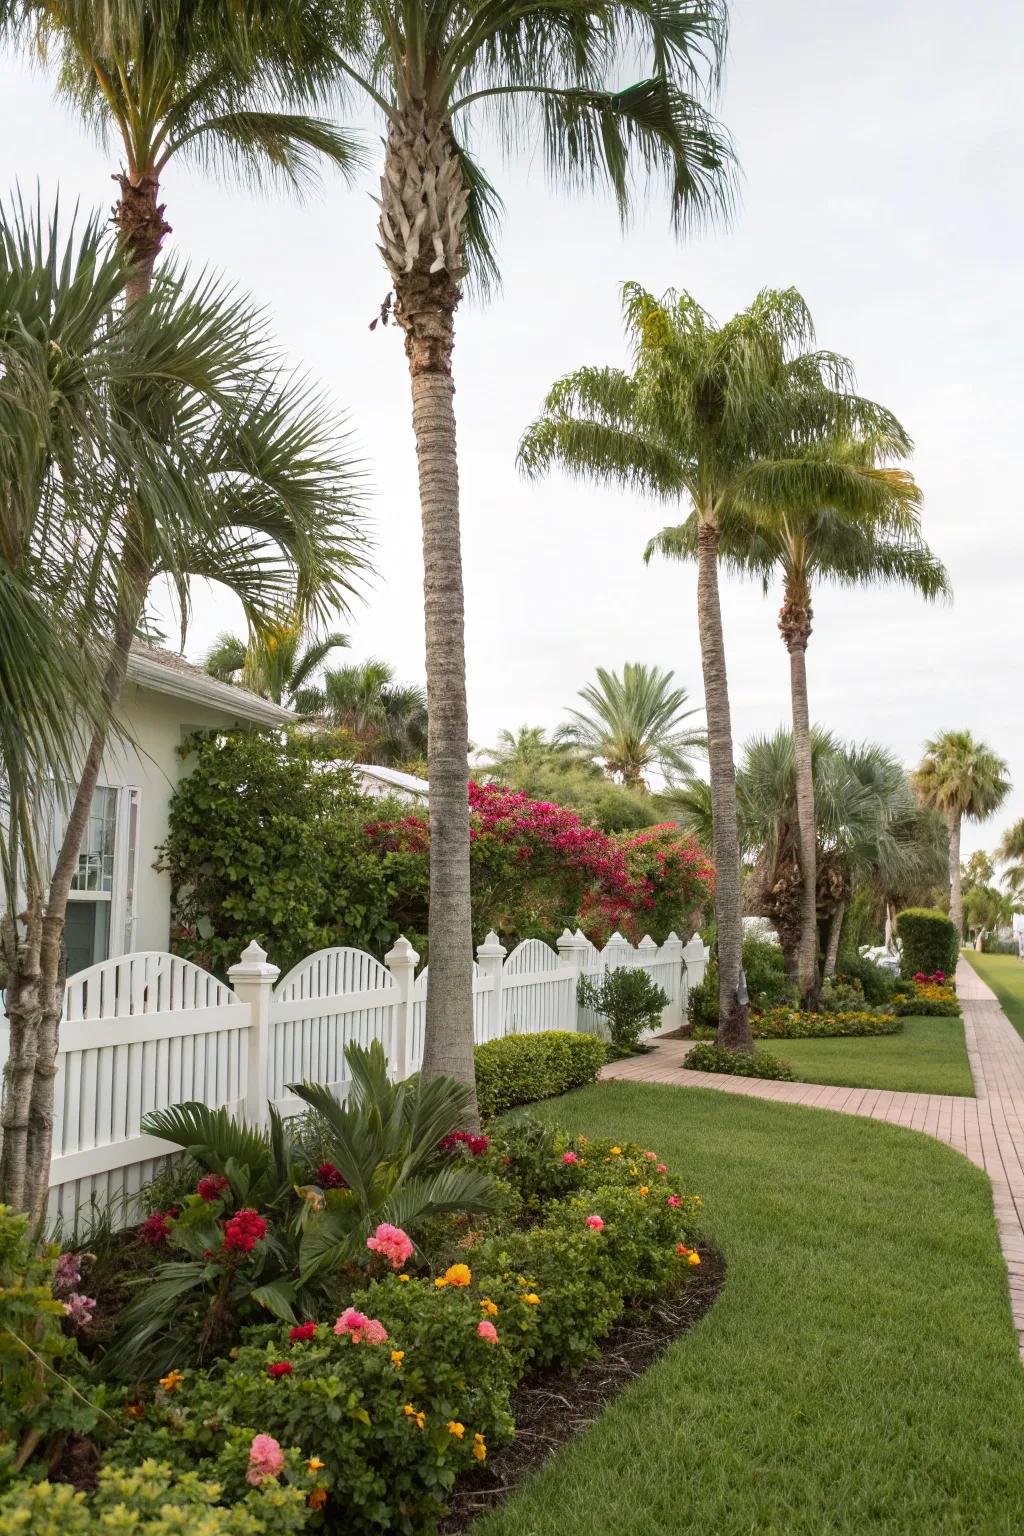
[211,1186]
[266,1459]
[595,1223]
[360,1328]
[674,1201]
[662,1168]
[569,1157]
[652,1157]
[79,1309]
[486,1330]
[391,1243]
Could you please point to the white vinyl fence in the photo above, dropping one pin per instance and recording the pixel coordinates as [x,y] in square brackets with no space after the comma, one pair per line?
[147,1031]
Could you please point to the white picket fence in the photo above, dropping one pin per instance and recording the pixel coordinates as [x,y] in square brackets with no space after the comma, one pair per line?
[146,1031]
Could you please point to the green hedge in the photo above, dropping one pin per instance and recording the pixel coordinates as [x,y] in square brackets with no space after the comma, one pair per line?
[927,1008]
[795,1024]
[929,941]
[711,1057]
[518,1069]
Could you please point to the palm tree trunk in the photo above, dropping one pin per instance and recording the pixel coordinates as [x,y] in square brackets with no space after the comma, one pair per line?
[956,904]
[795,626]
[141,225]
[422,228]
[835,929]
[733,1015]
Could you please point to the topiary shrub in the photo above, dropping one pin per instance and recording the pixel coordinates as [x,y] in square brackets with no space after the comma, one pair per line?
[519,1069]
[709,1057]
[876,984]
[628,1001]
[929,941]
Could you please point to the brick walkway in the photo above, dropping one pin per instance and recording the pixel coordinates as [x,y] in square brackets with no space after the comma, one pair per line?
[989,1129]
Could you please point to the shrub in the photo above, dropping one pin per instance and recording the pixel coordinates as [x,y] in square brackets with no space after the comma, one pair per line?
[876,984]
[710,1057]
[992,944]
[765,970]
[628,1001]
[929,998]
[929,941]
[151,1500]
[518,1069]
[795,1024]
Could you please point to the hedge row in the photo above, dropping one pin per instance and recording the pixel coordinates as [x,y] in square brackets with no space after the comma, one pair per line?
[519,1069]
[929,941]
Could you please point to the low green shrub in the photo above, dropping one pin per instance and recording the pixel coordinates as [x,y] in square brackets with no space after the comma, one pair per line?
[711,1057]
[519,1069]
[764,968]
[876,983]
[796,1024]
[991,944]
[152,1500]
[929,941]
[628,1001]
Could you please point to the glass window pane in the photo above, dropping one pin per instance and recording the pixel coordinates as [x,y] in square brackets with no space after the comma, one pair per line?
[86,934]
[95,870]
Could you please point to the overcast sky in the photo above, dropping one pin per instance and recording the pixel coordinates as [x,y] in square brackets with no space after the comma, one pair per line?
[882,167]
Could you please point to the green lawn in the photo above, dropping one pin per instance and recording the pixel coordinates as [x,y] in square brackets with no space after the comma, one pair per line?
[1005,975]
[929,1056]
[859,1372]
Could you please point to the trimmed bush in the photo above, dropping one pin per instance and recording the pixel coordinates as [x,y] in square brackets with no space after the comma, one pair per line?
[710,1057]
[876,984]
[795,1024]
[519,1069]
[929,941]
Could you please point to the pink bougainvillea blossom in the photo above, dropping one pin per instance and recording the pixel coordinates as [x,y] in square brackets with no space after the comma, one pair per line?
[392,1244]
[266,1459]
[360,1328]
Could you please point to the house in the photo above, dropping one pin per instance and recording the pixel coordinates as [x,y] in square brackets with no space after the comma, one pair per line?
[374,779]
[118,901]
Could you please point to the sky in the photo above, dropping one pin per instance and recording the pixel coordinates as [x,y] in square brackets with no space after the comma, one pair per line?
[882,168]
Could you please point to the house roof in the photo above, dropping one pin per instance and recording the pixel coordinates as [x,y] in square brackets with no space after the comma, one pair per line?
[391,776]
[150,666]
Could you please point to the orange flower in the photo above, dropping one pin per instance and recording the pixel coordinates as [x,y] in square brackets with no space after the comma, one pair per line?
[694,1258]
[644,1189]
[172,1381]
[315,1464]
[479,1448]
[458,1274]
[616,1151]
[317,1498]
[532,1298]
[456,1429]
[489,1307]
[134,1410]
[404,1278]
[397,1356]
[419,1417]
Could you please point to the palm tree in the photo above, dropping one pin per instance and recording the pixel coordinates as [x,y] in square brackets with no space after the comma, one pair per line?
[718,417]
[961,777]
[275,664]
[636,722]
[1011,853]
[531,71]
[868,534]
[387,721]
[228,470]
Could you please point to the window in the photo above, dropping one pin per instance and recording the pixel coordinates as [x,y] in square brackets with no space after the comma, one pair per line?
[102,900]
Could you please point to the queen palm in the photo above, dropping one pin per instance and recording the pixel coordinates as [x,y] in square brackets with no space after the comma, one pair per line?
[386,720]
[717,418]
[276,663]
[636,721]
[226,469]
[535,72]
[961,777]
[869,534]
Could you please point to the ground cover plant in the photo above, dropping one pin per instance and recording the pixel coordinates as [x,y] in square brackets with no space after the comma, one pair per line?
[865,1290]
[1005,975]
[709,1056]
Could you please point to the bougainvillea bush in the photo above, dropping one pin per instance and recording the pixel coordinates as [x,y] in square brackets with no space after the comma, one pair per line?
[363,1414]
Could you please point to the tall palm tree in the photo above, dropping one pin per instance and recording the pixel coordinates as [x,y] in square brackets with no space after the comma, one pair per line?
[227,469]
[386,720]
[636,721]
[718,418]
[528,751]
[1011,853]
[961,777]
[869,534]
[277,663]
[530,72]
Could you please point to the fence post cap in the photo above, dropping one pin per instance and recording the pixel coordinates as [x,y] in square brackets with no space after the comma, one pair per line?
[647,942]
[253,965]
[579,934]
[617,938]
[401,951]
[566,937]
[673,938]
[491,948]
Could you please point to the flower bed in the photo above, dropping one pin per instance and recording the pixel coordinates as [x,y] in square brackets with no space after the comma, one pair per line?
[925,996]
[797,1024]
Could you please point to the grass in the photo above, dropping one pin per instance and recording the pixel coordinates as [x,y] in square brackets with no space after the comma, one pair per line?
[859,1371]
[1005,975]
[929,1056]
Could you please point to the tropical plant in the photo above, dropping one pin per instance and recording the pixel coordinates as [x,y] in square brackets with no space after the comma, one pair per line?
[961,777]
[636,722]
[385,721]
[1011,853]
[228,470]
[275,663]
[532,73]
[867,534]
[550,769]
[628,1001]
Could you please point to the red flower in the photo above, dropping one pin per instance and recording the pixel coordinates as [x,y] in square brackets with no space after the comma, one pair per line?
[475,1145]
[155,1230]
[279,1368]
[329,1177]
[243,1231]
[303,1332]
[211,1186]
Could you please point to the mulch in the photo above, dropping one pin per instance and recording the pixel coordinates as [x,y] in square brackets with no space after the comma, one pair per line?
[553,1408]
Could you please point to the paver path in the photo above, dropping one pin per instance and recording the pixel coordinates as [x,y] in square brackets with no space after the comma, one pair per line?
[989,1129]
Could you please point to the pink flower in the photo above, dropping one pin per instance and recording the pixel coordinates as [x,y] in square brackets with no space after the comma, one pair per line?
[475,1145]
[486,1330]
[569,1157]
[244,1231]
[67,1274]
[279,1368]
[266,1459]
[662,1168]
[302,1332]
[211,1186]
[674,1201]
[155,1230]
[391,1243]
[79,1309]
[360,1328]
[330,1178]
[595,1223]
[652,1157]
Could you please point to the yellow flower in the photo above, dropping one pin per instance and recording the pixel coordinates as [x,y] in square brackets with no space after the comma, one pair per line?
[634,1171]
[172,1381]
[419,1417]
[458,1274]
[315,1464]
[694,1258]
[489,1307]
[532,1298]
[582,1140]
[479,1448]
[456,1429]
[440,1282]
[397,1356]
[404,1279]
[616,1151]
[645,1189]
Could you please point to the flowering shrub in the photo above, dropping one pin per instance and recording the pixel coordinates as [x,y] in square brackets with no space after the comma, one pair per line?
[476,1146]
[519,1069]
[928,997]
[797,1024]
[711,1057]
